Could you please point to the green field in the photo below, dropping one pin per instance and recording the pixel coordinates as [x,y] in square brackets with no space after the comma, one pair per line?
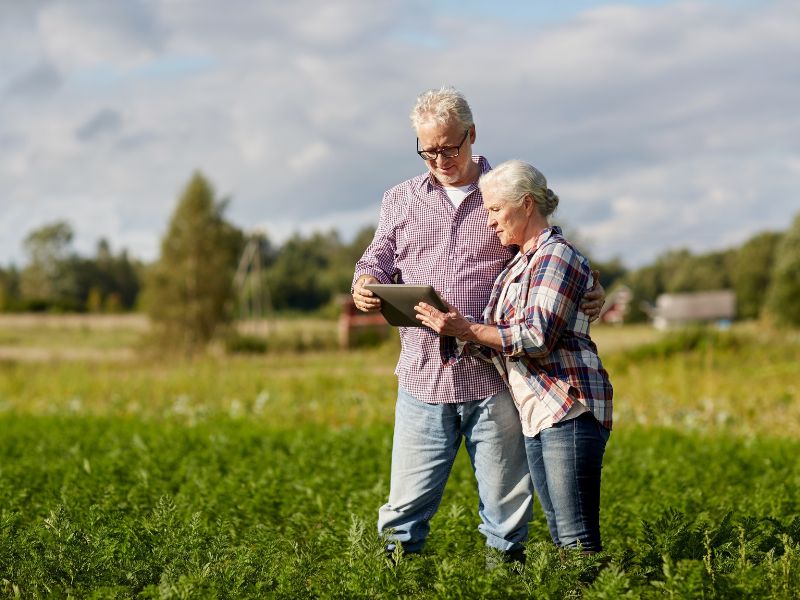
[124,475]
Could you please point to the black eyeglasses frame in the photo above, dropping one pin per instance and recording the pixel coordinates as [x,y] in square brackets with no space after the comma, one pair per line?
[447,151]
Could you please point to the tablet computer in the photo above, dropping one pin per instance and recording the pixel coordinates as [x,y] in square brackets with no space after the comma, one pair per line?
[398,301]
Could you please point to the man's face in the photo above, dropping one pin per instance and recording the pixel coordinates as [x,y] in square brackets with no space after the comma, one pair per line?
[457,171]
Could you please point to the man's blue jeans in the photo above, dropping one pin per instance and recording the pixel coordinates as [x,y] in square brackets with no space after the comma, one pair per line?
[565,462]
[426,440]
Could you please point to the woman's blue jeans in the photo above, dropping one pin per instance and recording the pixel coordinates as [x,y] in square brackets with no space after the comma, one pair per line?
[426,441]
[565,462]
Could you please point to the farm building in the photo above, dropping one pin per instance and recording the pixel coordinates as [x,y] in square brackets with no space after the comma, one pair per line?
[616,305]
[673,310]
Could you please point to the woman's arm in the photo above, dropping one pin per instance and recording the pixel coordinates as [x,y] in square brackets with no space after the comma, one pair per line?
[556,287]
[453,323]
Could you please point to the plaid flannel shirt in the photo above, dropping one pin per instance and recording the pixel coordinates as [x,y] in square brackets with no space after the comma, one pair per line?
[542,330]
[423,239]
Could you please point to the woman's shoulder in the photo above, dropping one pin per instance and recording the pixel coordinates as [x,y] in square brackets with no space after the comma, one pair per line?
[558,245]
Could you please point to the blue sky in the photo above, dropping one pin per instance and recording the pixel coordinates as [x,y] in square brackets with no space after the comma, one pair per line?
[660,124]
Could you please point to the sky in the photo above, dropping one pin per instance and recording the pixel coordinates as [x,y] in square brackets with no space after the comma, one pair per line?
[660,124]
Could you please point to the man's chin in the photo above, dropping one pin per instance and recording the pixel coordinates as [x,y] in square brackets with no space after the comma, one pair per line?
[448,178]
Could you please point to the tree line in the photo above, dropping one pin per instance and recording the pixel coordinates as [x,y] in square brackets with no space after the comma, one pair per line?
[764,273]
[191,285]
[58,279]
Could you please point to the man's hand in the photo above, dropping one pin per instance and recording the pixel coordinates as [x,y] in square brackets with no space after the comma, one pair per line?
[365,300]
[594,299]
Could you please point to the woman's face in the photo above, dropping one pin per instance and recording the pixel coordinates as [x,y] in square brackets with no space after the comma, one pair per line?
[507,220]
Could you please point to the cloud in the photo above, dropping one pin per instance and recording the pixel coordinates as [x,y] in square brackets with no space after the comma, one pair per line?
[41,80]
[105,121]
[659,125]
[77,35]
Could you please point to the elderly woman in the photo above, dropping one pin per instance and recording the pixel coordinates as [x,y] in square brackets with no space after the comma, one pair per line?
[535,334]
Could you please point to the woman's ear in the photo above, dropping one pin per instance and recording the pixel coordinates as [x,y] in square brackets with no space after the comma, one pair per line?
[529,204]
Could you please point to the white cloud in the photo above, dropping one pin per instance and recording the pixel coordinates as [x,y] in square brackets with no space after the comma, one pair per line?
[78,35]
[659,126]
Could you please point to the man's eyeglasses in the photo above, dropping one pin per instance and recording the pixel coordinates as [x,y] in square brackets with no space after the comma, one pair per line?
[446,152]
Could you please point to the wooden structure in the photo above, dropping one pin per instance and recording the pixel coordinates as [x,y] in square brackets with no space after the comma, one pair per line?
[696,307]
[352,322]
[249,285]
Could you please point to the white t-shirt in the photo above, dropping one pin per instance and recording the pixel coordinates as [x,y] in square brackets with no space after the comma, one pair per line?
[456,194]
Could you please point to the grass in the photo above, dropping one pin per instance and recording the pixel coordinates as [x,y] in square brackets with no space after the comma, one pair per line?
[260,476]
[739,382]
[230,508]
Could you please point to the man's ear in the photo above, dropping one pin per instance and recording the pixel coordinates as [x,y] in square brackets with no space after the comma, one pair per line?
[472,134]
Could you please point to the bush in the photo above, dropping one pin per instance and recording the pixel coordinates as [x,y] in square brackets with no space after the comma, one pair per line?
[245,344]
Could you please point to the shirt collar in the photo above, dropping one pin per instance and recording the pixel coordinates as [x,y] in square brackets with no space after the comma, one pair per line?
[544,236]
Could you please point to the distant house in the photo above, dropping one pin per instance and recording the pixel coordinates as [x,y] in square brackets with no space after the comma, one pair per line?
[673,310]
[616,305]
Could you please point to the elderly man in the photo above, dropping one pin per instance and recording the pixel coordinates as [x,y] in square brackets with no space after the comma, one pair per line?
[432,231]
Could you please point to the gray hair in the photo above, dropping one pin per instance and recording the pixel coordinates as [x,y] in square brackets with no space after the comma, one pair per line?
[515,179]
[441,106]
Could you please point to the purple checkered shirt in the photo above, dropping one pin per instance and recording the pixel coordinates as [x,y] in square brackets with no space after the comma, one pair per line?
[423,240]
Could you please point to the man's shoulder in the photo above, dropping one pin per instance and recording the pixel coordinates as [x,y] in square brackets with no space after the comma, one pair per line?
[409,185]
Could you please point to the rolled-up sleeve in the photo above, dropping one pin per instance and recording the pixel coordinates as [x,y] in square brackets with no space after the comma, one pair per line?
[557,286]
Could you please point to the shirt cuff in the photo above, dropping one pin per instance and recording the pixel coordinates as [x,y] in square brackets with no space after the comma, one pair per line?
[453,349]
[508,335]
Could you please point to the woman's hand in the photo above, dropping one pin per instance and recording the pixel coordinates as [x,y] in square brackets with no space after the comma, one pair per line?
[449,323]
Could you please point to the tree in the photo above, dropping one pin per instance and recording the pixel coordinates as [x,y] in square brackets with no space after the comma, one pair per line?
[783,298]
[190,289]
[687,273]
[645,284]
[9,289]
[110,282]
[304,275]
[610,271]
[49,279]
[752,273]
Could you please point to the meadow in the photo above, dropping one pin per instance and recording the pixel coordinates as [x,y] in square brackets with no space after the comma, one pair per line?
[126,475]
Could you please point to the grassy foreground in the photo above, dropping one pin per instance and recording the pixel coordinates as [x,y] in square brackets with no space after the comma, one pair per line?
[260,476]
[97,507]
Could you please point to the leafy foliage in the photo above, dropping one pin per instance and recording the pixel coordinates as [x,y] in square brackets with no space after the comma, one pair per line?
[58,279]
[190,288]
[119,508]
[48,277]
[784,295]
[309,273]
[752,273]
